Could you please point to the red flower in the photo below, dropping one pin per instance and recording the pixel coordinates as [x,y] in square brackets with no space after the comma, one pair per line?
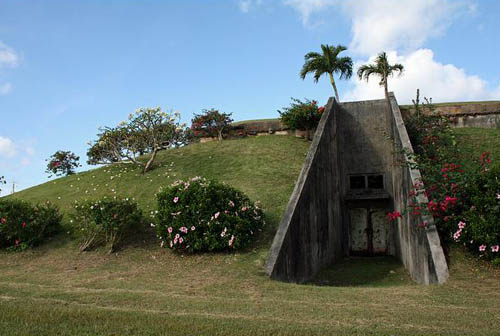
[24,224]
[393,215]
[3,220]
[321,109]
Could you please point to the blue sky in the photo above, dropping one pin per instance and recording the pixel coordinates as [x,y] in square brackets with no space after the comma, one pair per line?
[69,67]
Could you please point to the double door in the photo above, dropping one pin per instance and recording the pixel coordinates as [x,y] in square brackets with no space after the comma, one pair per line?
[369,231]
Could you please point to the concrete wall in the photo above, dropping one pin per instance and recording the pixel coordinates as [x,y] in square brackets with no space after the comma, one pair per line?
[310,234]
[418,248]
[476,114]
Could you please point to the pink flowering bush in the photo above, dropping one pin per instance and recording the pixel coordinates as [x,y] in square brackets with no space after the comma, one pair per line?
[105,221]
[24,225]
[198,215]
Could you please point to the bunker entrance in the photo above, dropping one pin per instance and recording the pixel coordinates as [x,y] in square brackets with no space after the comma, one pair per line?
[367,203]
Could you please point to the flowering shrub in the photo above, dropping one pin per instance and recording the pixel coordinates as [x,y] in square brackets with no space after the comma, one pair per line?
[464,202]
[301,115]
[24,225]
[211,123]
[105,222]
[199,215]
[479,228]
[62,163]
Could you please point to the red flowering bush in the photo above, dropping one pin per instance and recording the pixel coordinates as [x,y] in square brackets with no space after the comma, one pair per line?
[198,215]
[105,221]
[211,123]
[24,225]
[62,163]
[464,202]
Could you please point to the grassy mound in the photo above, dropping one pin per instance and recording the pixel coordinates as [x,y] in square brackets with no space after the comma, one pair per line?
[149,291]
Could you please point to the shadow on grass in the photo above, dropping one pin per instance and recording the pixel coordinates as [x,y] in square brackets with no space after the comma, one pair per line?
[364,271]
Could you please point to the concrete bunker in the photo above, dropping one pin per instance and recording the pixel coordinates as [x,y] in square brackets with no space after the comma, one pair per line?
[349,181]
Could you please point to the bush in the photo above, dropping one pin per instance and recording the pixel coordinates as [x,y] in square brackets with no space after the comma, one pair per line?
[105,222]
[62,163]
[301,115]
[24,225]
[479,228]
[198,215]
[211,123]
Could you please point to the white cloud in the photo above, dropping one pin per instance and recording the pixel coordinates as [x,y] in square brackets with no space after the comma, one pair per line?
[5,89]
[394,24]
[308,7]
[388,24]
[8,56]
[246,5]
[7,147]
[442,82]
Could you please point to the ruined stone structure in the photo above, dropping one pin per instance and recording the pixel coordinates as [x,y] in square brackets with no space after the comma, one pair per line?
[351,178]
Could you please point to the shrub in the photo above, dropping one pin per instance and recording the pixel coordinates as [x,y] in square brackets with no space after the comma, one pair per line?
[211,123]
[199,215]
[479,228]
[24,225]
[105,222]
[301,115]
[62,163]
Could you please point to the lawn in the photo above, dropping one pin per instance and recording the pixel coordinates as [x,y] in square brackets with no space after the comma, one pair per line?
[146,290]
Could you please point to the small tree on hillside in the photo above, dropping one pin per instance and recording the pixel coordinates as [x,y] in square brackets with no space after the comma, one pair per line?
[147,131]
[62,163]
[302,115]
[212,123]
[2,181]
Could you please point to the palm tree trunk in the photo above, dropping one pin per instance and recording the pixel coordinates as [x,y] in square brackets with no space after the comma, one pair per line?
[386,90]
[334,87]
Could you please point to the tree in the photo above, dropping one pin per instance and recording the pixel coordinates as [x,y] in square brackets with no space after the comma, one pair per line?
[147,131]
[212,123]
[381,68]
[302,115]
[62,163]
[2,181]
[329,63]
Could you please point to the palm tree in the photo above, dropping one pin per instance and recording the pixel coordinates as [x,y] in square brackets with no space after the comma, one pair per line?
[328,62]
[381,68]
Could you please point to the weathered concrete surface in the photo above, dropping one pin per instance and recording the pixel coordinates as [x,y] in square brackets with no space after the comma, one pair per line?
[480,114]
[418,248]
[310,234]
[327,219]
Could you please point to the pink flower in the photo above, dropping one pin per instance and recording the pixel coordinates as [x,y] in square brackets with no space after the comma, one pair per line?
[498,196]
[244,208]
[461,225]
[175,240]
[231,203]
[192,228]
[169,229]
[393,215]
[222,234]
[231,241]
[176,199]
[177,236]
[181,240]
[171,244]
[115,216]
[24,224]
[482,248]
[3,220]
[17,242]
[217,215]
[495,248]
[457,234]
[183,229]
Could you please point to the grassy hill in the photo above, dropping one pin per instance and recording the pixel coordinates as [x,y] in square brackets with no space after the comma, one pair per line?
[146,290]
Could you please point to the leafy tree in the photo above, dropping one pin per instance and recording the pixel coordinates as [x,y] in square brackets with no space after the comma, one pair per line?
[147,131]
[2,181]
[329,63]
[212,123]
[381,68]
[62,163]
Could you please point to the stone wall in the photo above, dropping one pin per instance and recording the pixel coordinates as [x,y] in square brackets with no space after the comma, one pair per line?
[310,234]
[418,248]
[475,114]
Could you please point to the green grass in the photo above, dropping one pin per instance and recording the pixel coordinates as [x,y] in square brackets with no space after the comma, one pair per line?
[474,141]
[146,290]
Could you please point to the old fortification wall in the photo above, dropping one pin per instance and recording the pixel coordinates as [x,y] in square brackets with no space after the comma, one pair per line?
[475,114]
[418,248]
[310,234]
